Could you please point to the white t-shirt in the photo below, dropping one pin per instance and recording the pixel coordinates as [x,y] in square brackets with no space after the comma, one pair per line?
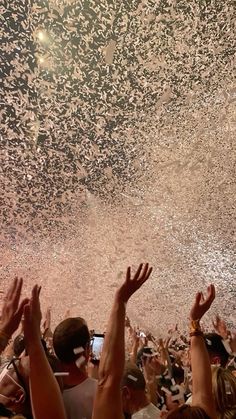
[148,412]
[79,400]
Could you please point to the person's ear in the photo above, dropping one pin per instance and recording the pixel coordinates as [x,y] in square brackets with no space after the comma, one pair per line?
[215,360]
[19,397]
[126,392]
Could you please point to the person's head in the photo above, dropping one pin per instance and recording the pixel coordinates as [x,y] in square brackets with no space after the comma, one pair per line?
[188,412]
[224,392]
[18,345]
[71,341]
[133,389]
[216,349]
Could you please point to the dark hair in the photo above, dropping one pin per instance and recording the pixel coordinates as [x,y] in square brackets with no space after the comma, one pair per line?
[178,374]
[71,333]
[133,377]
[215,347]
[18,345]
[188,412]
[5,412]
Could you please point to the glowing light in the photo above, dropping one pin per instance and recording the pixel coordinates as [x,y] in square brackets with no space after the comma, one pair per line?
[41,60]
[42,36]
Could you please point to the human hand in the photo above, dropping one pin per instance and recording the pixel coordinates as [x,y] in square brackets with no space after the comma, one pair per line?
[148,369]
[12,311]
[135,337]
[202,305]
[131,285]
[220,327]
[32,317]
[127,322]
[47,321]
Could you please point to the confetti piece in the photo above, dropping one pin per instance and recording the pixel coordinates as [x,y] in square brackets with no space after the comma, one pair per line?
[79,362]
[131,377]
[61,374]
[78,350]
[166,390]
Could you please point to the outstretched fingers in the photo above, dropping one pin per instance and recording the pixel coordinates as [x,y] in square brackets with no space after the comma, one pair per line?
[143,273]
[138,272]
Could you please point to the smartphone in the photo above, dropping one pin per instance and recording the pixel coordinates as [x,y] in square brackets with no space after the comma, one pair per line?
[97,345]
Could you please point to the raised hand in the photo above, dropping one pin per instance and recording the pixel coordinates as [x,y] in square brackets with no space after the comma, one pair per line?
[127,322]
[220,327]
[12,311]
[32,317]
[47,321]
[131,285]
[202,304]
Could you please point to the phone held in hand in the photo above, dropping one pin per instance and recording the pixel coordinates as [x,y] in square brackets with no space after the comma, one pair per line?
[97,345]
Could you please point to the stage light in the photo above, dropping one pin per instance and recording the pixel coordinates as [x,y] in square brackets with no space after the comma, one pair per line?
[42,36]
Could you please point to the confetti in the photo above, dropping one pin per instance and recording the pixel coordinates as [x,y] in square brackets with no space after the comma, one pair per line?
[79,362]
[131,377]
[78,350]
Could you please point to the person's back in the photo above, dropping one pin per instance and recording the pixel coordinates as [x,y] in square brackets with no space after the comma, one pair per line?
[78,400]
[71,341]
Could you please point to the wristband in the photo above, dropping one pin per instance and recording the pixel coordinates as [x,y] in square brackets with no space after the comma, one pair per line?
[195,326]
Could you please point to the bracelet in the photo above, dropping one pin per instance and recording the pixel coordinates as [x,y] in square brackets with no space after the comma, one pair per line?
[196,333]
[195,325]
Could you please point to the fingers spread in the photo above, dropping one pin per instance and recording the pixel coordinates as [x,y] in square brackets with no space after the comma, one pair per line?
[128,274]
[136,276]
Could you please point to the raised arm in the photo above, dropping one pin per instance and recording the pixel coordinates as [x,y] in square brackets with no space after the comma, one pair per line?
[200,362]
[11,312]
[45,394]
[108,404]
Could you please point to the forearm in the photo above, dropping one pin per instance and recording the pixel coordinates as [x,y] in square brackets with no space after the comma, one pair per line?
[113,354]
[152,390]
[201,375]
[45,393]
[134,353]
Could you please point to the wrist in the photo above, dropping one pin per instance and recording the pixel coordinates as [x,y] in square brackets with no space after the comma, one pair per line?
[194,325]
[120,297]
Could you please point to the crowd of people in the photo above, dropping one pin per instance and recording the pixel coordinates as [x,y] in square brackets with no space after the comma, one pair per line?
[56,374]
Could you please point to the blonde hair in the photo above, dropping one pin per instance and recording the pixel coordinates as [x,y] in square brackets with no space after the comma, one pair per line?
[224,392]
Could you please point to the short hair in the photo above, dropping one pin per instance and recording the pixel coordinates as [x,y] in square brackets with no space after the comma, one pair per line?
[188,412]
[18,345]
[71,333]
[133,377]
[215,346]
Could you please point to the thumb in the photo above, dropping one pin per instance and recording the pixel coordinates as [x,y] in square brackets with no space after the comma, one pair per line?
[21,307]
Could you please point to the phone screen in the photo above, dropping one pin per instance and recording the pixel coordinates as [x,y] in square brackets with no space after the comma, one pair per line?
[97,345]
